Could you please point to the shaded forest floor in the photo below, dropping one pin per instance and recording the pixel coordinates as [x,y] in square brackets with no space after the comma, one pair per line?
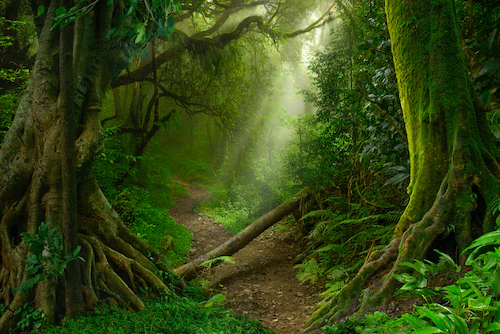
[262,283]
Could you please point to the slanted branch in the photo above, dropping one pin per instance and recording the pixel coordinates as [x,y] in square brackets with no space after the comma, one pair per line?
[240,240]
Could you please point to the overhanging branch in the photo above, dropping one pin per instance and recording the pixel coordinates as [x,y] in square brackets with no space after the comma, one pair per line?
[181,42]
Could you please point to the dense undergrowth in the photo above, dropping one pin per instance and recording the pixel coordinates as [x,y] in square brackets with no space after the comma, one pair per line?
[351,151]
[448,298]
[142,197]
[168,314]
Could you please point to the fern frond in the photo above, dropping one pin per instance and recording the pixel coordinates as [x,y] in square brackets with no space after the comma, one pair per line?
[321,214]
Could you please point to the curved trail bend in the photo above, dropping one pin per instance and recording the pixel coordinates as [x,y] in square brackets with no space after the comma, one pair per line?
[262,283]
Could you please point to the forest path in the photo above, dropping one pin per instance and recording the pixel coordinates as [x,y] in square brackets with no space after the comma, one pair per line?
[262,283]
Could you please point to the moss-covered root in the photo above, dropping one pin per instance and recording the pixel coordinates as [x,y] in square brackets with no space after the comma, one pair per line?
[346,301]
[454,215]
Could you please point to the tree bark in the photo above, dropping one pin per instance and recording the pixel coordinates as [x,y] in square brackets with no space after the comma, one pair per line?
[45,177]
[240,240]
[454,164]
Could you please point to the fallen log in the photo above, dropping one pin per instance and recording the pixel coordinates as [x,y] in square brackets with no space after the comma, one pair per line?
[189,270]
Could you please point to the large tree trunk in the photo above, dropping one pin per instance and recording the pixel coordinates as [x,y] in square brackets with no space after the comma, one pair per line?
[44,177]
[240,240]
[454,164]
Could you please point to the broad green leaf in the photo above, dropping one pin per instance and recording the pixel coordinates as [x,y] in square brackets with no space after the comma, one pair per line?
[60,11]
[170,22]
[446,258]
[31,260]
[40,11]
[140,30]
[77,250]
[459,324]
[437,318]
[405,278]
[494,326]
[31,270]
[414,321]
[422,283]
[495,282]
[489,67]
[428,330]
[43,231]
[488,239]
[37,247]
[112,33]
[218,298]
[453,289]
[480,305]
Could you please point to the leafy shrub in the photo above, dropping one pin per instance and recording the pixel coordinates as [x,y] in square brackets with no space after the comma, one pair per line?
[468,306]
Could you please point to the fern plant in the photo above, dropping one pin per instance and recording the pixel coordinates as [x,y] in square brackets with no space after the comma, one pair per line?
[338,244]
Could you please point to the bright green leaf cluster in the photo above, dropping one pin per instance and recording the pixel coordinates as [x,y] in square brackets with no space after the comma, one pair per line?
[49,256]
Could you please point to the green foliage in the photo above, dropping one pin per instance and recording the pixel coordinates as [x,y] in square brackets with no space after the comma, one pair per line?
[29,318]
[13,77]
[352,150]
[227,206]
[338,245]
[369,324]
[468,306]
[358,126]
[170,314]
[49,257]
[141,22]
[9,100]
[142,197]
[215,299]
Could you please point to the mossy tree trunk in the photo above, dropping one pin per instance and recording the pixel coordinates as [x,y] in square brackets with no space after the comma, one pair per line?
[454,163]
[45,176]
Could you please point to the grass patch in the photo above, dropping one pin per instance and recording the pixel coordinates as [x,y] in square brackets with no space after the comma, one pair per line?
[161,231]
[169,314]
[230,211]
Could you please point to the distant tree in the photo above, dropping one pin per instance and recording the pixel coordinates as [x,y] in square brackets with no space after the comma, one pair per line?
[16,30]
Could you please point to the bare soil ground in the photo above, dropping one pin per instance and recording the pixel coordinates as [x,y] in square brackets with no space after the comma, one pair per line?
[262,283]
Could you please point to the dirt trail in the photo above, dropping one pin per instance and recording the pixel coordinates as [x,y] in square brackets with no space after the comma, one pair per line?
[262,283]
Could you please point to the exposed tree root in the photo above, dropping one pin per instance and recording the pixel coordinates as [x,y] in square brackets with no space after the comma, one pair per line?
[118,265]
[459,200]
